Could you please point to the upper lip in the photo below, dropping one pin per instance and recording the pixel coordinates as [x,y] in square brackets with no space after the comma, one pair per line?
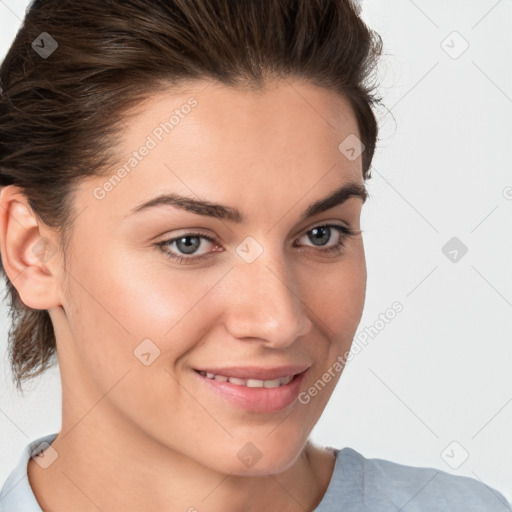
[256,372]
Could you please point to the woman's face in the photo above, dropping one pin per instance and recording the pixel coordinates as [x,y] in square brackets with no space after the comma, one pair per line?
[278,293]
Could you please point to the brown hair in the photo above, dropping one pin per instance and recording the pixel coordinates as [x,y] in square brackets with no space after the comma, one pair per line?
[60,111]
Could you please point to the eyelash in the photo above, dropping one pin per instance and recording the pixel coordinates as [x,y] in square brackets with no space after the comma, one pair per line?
[344,232]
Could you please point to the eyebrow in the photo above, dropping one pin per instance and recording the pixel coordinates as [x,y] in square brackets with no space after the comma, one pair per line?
[219,211]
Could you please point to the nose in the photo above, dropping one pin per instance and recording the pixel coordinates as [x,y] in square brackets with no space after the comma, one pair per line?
[266,303]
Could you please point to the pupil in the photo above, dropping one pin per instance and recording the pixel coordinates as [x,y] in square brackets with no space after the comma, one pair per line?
[323,234]
[187,247]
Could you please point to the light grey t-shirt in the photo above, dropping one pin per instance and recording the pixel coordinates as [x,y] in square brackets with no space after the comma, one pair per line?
[357,484]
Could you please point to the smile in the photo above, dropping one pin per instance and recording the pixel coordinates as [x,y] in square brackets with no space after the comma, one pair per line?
[250,383]
[253,394]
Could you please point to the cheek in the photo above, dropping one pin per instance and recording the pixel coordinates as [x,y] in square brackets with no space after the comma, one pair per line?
[336,296]
[118,309]
[115,308]
[336,299]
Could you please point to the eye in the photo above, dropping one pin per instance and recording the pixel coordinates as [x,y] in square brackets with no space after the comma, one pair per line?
[187,245]
[321,235]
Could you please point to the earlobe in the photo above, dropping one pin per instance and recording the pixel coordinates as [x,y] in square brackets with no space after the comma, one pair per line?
[29,256]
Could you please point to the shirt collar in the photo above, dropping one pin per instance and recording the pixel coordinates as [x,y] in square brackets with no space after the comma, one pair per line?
[16,494]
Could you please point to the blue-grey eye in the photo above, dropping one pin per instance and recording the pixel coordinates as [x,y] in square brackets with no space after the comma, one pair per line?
[320,235]
[188,244]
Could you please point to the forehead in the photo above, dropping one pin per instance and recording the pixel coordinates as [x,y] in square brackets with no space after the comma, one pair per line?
[277,105]
[233,146]
[211,118]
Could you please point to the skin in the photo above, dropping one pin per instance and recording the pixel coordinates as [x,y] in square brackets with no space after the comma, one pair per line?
[138,437]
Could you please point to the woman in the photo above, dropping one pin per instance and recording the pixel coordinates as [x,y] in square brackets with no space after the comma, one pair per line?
[182,232]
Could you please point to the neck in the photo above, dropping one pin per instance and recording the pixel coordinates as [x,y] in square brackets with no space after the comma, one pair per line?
[104,464]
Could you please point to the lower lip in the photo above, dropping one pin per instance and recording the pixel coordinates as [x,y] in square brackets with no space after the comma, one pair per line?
[257,399]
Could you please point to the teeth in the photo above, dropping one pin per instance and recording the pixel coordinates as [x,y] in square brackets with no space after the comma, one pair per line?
[250,383]
[273,383]
[254,383]
[238,382]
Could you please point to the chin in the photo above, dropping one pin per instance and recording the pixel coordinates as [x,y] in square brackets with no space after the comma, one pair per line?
[267,459]
[260,468]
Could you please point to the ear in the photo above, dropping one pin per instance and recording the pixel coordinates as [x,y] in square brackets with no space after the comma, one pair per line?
[29,249]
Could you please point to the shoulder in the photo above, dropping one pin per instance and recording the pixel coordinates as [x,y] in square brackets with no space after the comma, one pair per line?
[393,486]
[16,495]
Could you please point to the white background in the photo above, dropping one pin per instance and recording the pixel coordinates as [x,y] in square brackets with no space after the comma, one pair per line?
[438,375]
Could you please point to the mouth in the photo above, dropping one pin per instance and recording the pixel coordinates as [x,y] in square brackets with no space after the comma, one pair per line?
[249,383]
[250,391]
